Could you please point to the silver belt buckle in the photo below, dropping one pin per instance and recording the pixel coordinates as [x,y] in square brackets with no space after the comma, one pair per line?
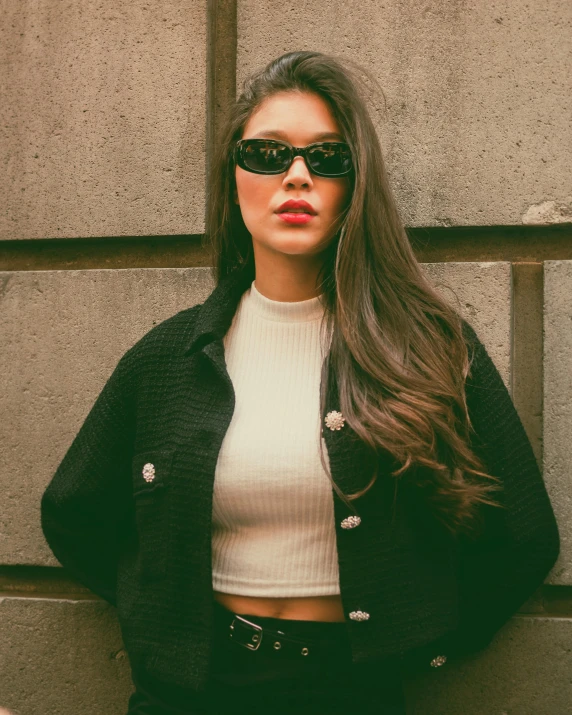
[255,639]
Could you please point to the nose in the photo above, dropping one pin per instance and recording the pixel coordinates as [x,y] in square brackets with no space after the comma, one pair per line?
[298,174]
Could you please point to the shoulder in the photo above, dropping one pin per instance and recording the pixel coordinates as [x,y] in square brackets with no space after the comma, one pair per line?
[470,336]
[482,368]
[491,408]
[483,372]
[167,338]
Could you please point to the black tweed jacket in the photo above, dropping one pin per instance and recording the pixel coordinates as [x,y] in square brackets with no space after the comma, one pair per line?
[128,512]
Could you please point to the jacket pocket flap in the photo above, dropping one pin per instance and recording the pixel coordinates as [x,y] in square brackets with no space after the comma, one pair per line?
[151,470]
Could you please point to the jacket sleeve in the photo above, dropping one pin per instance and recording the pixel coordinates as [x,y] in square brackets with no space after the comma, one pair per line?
[83,507]
[519,544]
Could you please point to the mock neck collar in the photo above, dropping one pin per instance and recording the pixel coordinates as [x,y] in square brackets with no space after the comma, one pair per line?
[301,311]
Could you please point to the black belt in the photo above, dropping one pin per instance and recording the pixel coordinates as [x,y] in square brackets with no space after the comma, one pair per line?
[254,637]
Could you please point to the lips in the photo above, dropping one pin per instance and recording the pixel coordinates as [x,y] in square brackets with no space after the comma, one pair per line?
[296,206]
[295,218]
[296,211]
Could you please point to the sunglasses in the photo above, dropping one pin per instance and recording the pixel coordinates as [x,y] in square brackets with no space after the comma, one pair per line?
[267,156]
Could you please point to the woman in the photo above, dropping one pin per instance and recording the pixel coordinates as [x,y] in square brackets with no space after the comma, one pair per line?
[316,480]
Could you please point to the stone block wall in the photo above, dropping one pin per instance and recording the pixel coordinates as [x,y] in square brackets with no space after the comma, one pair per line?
[110,112]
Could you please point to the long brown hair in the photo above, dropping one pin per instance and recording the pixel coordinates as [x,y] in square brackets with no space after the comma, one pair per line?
[397,347]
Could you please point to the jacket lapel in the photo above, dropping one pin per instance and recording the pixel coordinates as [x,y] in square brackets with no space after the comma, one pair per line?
[351,461]
[216,313]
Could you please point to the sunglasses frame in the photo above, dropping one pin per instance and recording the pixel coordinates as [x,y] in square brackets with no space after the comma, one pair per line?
[294,152]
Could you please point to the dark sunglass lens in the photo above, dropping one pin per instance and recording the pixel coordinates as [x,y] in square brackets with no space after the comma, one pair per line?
[330,158]
[266,156]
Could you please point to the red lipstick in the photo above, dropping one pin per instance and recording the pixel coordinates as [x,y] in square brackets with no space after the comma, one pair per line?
[296,211]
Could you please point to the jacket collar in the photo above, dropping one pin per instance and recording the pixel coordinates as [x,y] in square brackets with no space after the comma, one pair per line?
[215,315]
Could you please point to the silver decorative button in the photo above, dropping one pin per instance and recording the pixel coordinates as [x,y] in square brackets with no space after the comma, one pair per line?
[334,420]
[149,472]
[350,522]
[438,660]
[359,616]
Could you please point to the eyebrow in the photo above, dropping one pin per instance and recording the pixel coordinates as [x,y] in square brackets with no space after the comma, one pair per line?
[268,133]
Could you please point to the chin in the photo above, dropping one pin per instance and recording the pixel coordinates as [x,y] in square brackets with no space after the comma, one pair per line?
[294,245]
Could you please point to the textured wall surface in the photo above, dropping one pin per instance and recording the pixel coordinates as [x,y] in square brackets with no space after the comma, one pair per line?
[62,657]
[109,113]
[478,127]
[103,118]
[482,294]
[558,405]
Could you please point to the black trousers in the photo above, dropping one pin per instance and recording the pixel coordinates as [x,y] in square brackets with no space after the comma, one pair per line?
[266,682]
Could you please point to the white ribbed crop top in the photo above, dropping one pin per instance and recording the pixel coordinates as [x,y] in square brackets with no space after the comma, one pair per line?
[273,518]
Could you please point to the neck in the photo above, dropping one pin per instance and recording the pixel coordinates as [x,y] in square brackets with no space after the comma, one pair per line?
[289,279]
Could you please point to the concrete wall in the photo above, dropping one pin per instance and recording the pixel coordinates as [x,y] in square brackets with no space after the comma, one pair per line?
[109,111]
[478,103]
[103,118]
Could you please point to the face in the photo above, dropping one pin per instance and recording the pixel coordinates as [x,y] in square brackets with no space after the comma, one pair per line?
[300,119]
